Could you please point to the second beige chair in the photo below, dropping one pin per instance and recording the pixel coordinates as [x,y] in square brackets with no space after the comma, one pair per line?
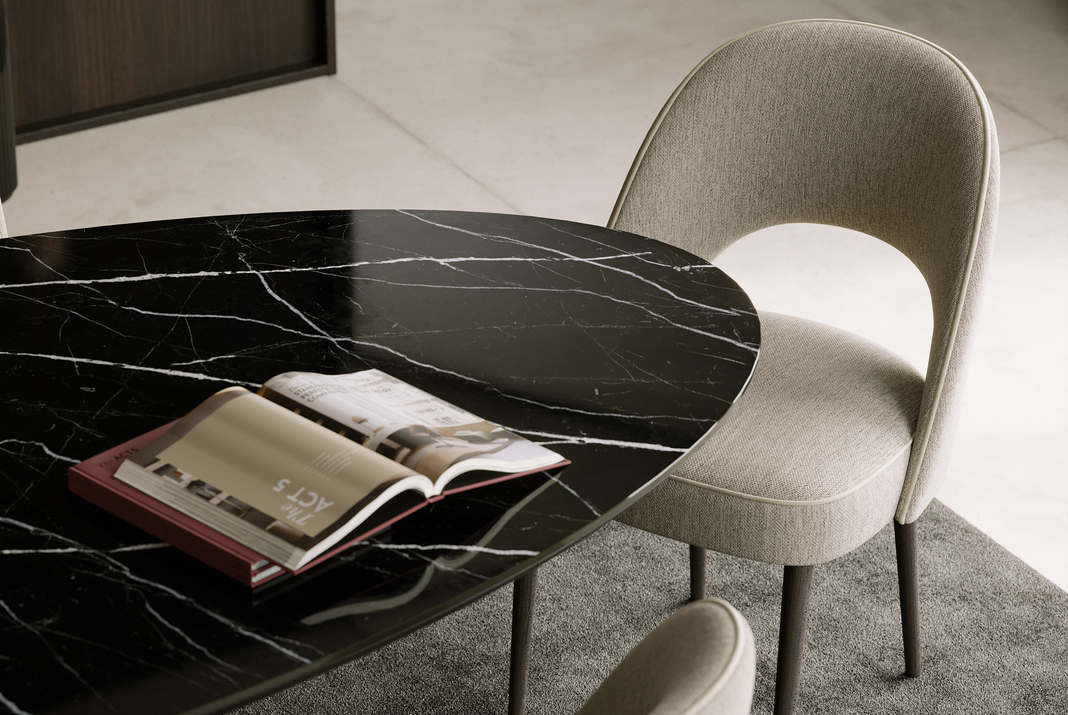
[851,125]
[700,661]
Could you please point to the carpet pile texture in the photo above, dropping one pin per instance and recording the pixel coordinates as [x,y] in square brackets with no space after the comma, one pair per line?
[995,632]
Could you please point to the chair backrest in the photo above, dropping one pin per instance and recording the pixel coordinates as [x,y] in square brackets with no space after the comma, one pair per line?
[700,661]
[847,124]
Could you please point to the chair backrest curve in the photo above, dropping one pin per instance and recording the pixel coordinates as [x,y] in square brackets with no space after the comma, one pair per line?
[741,648]
[842,123]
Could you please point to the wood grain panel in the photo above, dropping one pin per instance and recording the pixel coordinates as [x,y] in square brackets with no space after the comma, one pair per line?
[8,170]
[83,62]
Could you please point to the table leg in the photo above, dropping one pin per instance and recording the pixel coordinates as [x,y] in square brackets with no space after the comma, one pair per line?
[522,625]
[698,572]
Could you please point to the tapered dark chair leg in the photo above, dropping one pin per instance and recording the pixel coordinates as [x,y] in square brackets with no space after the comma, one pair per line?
[796,584]
[522,626]
[698,564]
[909,588]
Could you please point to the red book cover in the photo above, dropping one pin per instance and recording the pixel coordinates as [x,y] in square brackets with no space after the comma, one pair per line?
[94,481]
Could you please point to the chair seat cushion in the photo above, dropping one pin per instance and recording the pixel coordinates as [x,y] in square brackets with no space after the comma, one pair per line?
[818,444]
[700,661]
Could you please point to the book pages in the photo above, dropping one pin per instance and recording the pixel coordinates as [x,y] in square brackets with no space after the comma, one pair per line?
[282,464]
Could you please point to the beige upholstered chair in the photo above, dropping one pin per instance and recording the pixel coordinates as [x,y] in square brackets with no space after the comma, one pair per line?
[853,125]
[700,661]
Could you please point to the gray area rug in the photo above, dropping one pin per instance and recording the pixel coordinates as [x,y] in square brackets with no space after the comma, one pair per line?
[995,632]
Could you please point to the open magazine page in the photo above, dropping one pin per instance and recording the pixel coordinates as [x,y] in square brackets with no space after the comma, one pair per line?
[283,465]
[279,483]
[410,426]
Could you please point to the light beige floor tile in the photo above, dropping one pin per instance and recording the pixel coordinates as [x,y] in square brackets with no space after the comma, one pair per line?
[838,277]
[1010,468]
[306,145]
[546,103]
[1014,129]
[1017,49]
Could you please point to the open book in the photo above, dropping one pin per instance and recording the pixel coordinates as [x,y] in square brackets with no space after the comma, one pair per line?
[310,461]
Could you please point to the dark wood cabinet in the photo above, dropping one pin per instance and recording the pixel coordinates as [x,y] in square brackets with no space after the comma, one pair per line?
[81,63]
[8,174]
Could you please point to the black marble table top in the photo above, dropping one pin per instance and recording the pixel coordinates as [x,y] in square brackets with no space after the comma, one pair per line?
[617,351]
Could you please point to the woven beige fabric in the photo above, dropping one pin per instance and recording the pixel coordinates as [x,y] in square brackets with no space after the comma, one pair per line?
[3,223]
[700,661]
[845,124]
[811,460]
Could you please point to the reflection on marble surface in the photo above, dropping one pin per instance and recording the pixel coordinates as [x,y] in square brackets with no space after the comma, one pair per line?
[617,351]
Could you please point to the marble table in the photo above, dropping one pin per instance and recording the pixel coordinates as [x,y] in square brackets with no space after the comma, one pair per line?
[619,352]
